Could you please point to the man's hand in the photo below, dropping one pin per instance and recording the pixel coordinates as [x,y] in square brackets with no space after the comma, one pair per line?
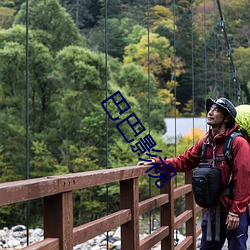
[232,222]
[146,162]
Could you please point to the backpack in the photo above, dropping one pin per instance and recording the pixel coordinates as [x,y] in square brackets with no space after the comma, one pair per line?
[243,120]
[206,179]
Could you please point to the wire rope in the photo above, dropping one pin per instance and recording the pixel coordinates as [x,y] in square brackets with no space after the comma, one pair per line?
[192,77]
[237,87]
[215,52]
[174,75]
[148,30]
[175,95]
[27,207]
[222,68]
[106,82]
[77,13]
[205,50]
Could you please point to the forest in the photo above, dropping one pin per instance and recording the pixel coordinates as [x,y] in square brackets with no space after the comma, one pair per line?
[165,57]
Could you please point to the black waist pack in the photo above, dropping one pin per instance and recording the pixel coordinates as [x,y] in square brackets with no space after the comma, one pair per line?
[206,182]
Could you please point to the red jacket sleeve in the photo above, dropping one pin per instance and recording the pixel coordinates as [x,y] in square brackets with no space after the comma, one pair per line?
[241,175]
[185,162]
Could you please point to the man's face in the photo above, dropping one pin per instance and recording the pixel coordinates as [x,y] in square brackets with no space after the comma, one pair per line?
[215,116]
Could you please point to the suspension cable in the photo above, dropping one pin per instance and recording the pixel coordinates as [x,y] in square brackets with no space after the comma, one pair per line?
[174,75]
[106,82]
[192,77]
[229,53]
[149,179]
[222,68]
[27,207]
[175,95]
[215,52]
[77,13]
[205,51]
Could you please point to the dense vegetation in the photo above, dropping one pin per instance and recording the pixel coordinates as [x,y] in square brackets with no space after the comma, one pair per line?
[69,70]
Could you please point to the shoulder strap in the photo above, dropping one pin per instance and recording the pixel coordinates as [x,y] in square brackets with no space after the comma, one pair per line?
[227,148]
[203,152]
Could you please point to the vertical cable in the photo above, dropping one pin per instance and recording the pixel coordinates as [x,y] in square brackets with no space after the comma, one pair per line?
[236,90]
[106,81]
[215,51]
[77,13]
[148,23]
[27,89]
[27,207]
[222,70]
[223,80]
[174,76]
[175,95]
[149,67]
[192,25]
[205,51]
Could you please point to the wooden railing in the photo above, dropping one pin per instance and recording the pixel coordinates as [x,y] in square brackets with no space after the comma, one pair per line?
[59,233]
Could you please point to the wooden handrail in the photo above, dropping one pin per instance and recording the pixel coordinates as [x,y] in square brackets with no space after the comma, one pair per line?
[58,209]
[24,190]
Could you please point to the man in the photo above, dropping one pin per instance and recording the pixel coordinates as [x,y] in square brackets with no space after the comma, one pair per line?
[221,115]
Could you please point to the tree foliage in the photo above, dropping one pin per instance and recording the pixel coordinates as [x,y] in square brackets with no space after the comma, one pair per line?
[53,25]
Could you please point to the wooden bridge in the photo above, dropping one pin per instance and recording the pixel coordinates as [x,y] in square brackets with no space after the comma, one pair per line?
[59,233]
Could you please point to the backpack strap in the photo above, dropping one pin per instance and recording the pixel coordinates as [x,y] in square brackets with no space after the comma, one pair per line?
[203,152]
[227,151]
[227,148]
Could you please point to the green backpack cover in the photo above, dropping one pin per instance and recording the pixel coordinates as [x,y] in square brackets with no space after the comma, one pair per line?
[243,119]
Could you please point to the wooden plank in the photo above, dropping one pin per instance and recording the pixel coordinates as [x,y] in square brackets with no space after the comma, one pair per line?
[185,244]
[129,196]
[187,188]
[90,230]
[98,177]
[58,219]
[154,238]
[24,190]
[152,203]
[182,218]
[190,205]
[166,215]
[46,244]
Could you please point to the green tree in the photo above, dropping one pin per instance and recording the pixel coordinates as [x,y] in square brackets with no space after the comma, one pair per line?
[53,25]
[161,16]
[12,108]
[118,31]
[40,60]
[242,64]
[6,17]
[161,57]
[135,81]
[42,163]
[78,100]
[84,13]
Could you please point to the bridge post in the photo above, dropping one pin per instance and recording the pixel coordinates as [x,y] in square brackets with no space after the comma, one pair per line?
[129,198]
[58,219]
[167,215]
[190,205]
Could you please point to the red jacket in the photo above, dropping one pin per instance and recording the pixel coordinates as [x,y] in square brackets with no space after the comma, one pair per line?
[241,167]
